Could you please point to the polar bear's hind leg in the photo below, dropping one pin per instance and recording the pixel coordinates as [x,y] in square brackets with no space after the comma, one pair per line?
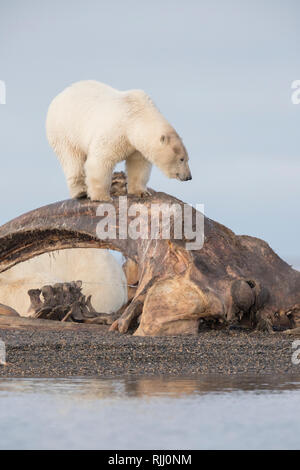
[98,170]
[72,161]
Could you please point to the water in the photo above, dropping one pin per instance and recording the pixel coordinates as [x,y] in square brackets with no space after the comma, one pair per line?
[207,412]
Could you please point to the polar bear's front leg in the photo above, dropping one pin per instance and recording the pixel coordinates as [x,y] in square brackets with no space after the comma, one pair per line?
[98,171]
[138,174]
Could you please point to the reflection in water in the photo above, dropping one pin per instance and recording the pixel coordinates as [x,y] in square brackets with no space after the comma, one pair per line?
[205,412]
[206,384]
[101,388]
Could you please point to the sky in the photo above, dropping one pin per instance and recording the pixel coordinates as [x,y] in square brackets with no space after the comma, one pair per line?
[219,70]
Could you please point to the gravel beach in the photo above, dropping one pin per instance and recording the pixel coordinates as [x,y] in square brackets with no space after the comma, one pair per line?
[94,351]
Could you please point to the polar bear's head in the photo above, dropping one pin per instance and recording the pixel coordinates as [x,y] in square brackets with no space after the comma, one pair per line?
[172,157]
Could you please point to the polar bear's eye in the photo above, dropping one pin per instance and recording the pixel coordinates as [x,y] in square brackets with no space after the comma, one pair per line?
[182,159]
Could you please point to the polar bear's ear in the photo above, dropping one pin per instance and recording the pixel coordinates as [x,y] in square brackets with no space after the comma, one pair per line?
[164,139]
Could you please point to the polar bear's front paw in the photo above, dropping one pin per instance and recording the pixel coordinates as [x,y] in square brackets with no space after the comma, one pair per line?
[141,193]
[100,197]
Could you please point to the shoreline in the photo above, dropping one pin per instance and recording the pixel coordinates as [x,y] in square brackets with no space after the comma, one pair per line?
[86,351]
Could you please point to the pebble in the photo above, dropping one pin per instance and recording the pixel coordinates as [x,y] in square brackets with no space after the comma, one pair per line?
[109,354]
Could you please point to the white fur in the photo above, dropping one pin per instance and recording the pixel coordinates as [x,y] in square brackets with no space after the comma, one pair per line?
[102,277]
[92,127]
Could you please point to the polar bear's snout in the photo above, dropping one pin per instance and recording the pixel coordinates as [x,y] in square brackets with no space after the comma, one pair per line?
[184,174]
[188,176]
[185,178]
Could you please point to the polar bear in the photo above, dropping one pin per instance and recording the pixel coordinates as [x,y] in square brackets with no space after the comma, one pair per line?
[91,127]
[101,274]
